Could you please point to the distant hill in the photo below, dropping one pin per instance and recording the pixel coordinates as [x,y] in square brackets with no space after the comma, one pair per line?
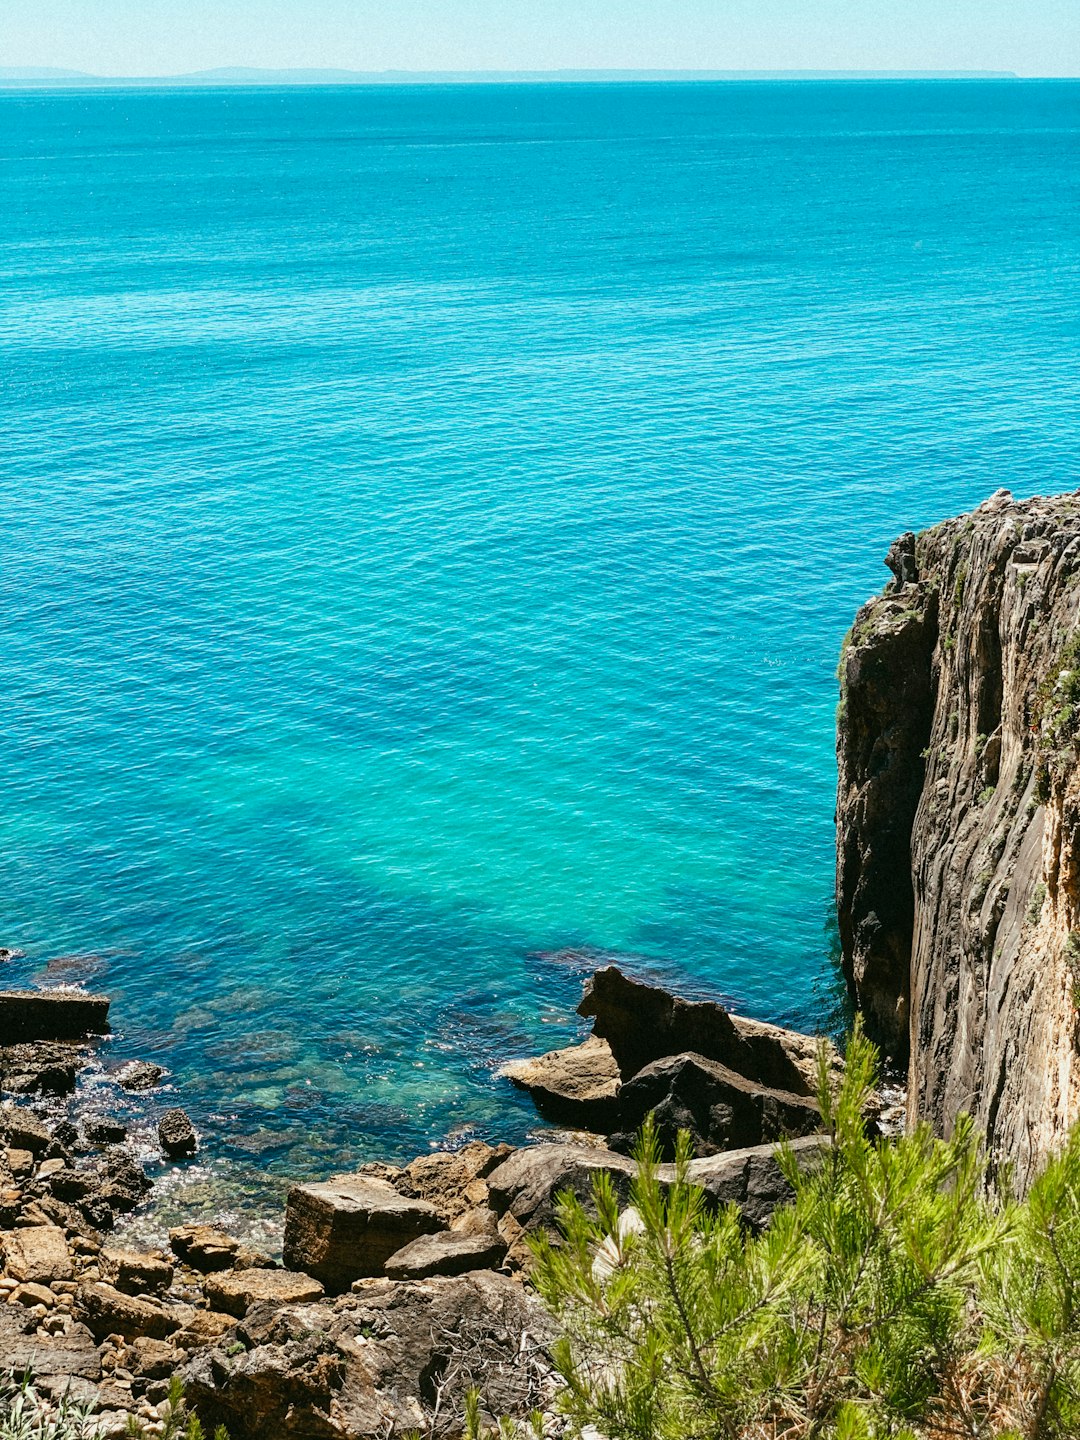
[246,75]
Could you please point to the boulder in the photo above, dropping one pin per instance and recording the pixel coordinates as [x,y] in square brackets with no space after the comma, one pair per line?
[576,1086]
[720,1109]
[236,1291]
[349,1227]
[446,1253]
[525,1186]
[204,1247]
[643,1023]
[104,1130]
[37,1253]
[73,1355]
[751,1178]
[24,1131]
[176,1134]
[154,1359]
[135,1272]
[31,1293]
[109,1312]
[203,1328]
[28,1015]
[452,1181]
[138,1075]
[46,1067]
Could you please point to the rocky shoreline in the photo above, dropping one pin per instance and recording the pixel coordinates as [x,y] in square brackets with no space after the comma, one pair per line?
[399,1288]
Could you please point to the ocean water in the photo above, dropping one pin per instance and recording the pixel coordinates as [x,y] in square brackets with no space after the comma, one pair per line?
[429,521]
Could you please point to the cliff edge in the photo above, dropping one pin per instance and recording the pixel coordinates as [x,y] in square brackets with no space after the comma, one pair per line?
[958,820]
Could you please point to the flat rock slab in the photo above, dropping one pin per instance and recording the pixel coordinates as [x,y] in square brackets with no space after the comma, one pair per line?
[236,1291]
[751,1178]
[526,1185]
[204,1247]
[51,1015]
[135,1272]
[109,1312]
[446,1253]
[347,1228]
[574,1086]
[37,1253]
[74,1355]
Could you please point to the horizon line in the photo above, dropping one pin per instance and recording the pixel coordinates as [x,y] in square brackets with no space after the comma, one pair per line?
[51,77]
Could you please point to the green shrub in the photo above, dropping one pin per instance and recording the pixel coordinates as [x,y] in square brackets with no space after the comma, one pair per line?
[895,1296]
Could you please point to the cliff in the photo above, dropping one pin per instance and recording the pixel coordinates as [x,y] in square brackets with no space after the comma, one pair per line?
[958,820]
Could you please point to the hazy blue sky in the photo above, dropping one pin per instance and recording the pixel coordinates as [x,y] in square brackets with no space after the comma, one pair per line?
[1032,37]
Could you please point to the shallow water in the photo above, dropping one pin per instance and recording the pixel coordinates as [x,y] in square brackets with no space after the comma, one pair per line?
[430,518]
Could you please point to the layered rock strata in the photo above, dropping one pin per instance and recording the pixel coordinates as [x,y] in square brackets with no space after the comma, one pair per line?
[958,820]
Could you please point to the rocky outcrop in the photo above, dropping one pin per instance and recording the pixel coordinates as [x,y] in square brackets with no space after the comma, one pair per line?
[958,820]
[574,1086]
[27,1015]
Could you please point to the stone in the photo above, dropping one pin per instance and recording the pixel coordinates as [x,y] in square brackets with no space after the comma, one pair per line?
[155,1359]
[446,1253]
[24,1131]
[31,1293]
[575,1086]
[720,1109]
[10,952]
[643,1023]
[104,1130]
[21,1162]
[28,1015]
[177,1134]
[236,1291]
[71,1356]
[138,1075]
[349,1227]
[204,1247]
[203,1328]
[750,1178]
[107,1311]
[37,1253]
[452,1181]
[135,1272]
[526,1185]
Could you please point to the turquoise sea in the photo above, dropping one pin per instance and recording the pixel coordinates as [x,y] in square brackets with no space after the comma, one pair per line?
[430,516]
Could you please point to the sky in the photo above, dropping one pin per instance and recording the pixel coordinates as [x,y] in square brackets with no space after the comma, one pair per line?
[155,37]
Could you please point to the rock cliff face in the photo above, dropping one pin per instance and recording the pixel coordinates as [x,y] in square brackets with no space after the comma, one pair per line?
[958,820]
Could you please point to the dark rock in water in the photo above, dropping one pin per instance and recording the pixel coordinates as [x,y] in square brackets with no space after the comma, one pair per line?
[177,1134]
[204,1247]
[719,1108]
[27,1015]
[575,1086]
[236,1291]
[396,1358]
[45,1067]
[118,1184]
[349,1227]
[643,1023]
[10,952]
[24,1131]
[446,1253]
[138,1075]
[103,1130]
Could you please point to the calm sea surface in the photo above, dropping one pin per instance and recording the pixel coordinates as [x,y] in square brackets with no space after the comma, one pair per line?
[429,521]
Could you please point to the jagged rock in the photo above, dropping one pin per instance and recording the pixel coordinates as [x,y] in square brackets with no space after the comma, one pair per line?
[138,1075]
[575,1086]
[721,1110]
[446,1253]
[203,1328]
[154,1359]
[24,1131]
[109,1312]
[43,1067]
[349,1227]
[176,1134]
[37,1253]
[958,808]
[374,1364]
[235,1292]
[751,1178]
[116,1185]
[643,1023]
[135,1272]
[452,1181]
[104,1130]
[204,1247]
[525,1185]
[28,1015]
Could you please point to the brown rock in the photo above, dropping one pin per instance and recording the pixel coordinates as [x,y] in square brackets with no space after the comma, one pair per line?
[155,1359]
[349,1227]
[643,1023]
[70,1357]
[203,1328]
[446,1253]
[451,1181]
[204,1247]
[575,1086]
[236,1291]
[109,1312]
[135,1272]
[24,1131]
[38,1253]
[32,1294]
[526,1185]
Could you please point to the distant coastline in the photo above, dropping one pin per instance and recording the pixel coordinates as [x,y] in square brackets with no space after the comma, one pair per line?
[51,78]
